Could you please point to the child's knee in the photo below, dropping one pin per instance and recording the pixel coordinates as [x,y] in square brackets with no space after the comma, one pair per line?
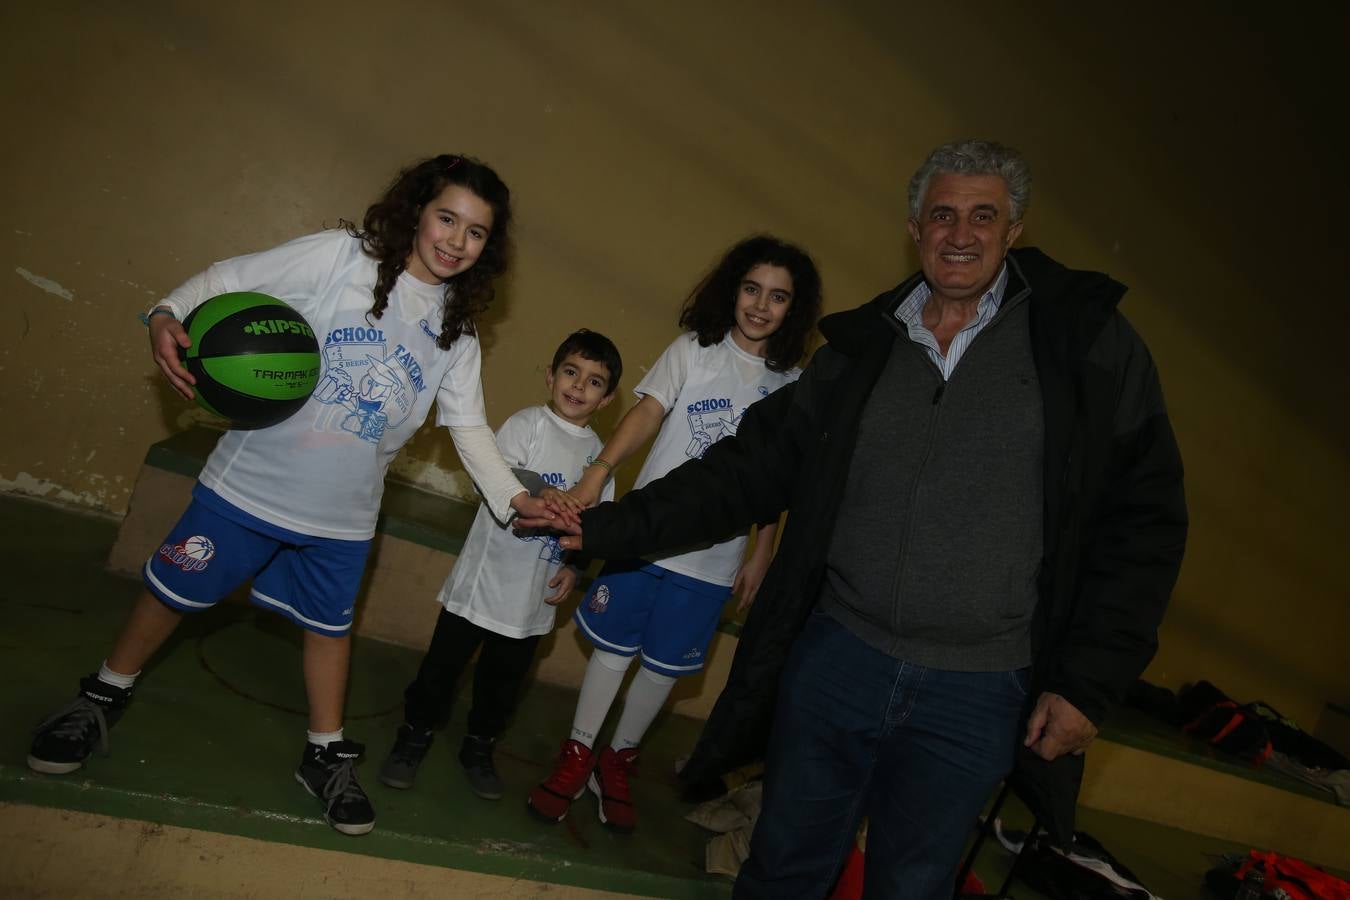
[615,662]
[656,677]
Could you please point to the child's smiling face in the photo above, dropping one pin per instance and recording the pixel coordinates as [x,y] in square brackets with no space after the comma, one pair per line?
[578,388]
[452,231]
[762,303]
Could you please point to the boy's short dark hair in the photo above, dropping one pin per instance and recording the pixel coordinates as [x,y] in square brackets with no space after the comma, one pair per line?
[596,347]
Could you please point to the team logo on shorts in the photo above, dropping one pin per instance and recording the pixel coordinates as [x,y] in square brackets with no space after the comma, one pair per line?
[192,555]
[600,599]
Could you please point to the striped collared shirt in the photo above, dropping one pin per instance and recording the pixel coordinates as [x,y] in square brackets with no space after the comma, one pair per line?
[910,314]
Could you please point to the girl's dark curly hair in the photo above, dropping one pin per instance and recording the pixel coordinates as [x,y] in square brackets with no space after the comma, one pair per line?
[710,310]
[390,229]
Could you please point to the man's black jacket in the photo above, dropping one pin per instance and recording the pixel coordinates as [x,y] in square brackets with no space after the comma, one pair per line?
[1114,516]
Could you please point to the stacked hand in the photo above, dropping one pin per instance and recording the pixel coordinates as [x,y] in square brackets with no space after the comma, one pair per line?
[554,510]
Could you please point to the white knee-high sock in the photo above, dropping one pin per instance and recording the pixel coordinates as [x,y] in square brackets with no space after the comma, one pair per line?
[645,697]
[604,674]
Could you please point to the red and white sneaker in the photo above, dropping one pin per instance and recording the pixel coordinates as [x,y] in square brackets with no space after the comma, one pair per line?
[609,783]
[550,798]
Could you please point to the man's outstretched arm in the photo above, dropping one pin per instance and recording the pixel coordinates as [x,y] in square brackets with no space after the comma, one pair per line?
[740,481]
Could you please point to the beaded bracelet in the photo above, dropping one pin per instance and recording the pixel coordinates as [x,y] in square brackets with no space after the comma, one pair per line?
[600,462]
[157,311]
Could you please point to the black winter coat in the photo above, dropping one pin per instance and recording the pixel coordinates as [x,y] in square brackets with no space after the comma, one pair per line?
[1114,516]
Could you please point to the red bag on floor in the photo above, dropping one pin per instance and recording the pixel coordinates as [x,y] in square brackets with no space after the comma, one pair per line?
[1291,878]
[851,880]
[849,886]
[1295,877]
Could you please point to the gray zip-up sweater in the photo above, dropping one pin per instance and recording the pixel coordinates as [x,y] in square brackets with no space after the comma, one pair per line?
[937,546]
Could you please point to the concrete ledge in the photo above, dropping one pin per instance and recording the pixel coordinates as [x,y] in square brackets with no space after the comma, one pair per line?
[1217,803]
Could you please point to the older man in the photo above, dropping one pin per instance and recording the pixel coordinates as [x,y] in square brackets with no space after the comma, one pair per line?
[986,520]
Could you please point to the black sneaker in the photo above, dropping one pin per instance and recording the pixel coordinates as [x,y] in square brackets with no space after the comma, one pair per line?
[475,754]
[410,748]
[63,742]
[329,773]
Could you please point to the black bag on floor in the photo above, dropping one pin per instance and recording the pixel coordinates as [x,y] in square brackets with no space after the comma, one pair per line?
[1084,871]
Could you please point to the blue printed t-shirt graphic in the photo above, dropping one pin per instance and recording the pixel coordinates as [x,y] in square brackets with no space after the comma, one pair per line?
[712,419]
[551,551]
[370,387]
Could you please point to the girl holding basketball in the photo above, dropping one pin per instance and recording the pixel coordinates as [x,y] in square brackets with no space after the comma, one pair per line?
[291,507]
[746,326]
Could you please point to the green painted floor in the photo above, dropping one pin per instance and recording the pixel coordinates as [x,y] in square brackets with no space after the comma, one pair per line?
[216,728]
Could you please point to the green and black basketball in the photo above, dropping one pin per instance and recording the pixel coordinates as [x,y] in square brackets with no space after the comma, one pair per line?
[255,359]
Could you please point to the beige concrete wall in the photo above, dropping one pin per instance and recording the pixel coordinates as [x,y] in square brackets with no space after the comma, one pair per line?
[1189,154]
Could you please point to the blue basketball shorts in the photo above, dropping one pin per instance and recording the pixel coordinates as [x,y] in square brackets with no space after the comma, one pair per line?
[215,547]
[635,607]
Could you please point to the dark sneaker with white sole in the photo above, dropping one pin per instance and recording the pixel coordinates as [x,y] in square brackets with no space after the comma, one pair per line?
[410,748]
[475,755]
[329,773]
[66,738]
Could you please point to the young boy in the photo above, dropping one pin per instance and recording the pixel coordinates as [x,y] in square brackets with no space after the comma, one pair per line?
[495,595]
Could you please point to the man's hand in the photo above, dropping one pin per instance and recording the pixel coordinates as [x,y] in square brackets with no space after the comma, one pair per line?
[565,582]
[1057,727]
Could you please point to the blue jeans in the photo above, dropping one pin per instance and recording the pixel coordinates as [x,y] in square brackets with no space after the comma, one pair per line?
[859,733]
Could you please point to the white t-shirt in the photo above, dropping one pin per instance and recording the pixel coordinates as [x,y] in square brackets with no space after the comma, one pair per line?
[500,579]
[705,392]
[321,471]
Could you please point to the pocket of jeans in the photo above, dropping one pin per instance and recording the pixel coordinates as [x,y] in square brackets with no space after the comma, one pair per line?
[1021,680]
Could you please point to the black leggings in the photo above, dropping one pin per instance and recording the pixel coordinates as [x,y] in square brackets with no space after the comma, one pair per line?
[496,680]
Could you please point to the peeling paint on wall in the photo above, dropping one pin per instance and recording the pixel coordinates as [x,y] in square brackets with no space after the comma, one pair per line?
[27,485]
[45,284]
[432,477]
